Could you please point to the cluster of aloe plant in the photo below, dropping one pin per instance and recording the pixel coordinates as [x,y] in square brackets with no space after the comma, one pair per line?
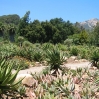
[69,84]
[19,62]
[8,50]
[37,52]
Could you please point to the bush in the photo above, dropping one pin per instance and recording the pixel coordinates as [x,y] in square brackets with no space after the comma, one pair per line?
[61,47]
[85,51]
[68,42]
[74,51]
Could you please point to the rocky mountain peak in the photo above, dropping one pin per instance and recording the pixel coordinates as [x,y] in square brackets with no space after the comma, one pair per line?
[89,24]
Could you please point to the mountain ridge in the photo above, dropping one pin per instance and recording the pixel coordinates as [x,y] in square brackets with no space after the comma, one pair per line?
[89,24]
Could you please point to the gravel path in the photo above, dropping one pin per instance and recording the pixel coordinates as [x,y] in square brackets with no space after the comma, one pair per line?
[78,65]
[69,65]
[32,70]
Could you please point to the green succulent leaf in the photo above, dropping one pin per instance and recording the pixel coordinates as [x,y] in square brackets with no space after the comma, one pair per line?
[7,79]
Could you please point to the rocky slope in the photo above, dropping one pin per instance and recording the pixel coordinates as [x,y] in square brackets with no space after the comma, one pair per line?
[89,24]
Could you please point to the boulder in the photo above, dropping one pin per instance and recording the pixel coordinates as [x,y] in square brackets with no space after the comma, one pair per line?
[28,79]
[73,57]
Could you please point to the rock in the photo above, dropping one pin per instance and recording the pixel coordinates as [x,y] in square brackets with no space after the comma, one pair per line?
[37,62]
[65,58]
[77,95]
[77,61]
[72,59]
[28,79]
[83,60]
[95,68]
[97,95]
[85,76]
[44,63]
[77,88]
[30,65]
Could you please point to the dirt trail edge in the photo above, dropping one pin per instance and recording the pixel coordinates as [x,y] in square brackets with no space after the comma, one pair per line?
[40,68]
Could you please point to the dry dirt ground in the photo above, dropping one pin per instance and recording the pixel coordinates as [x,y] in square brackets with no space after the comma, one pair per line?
[71,65]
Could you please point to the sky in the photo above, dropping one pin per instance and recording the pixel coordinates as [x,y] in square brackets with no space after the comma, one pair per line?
[72,10]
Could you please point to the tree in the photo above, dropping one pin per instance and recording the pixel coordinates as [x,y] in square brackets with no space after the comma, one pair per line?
[35,32]
[77,27]
[75,38]
[65,28]
[11,31]
[79,38]
[23,24]
[48,28]
[10,19]
[91,38]
[57,38]
[83,37]
[96,34]
[2,28]
[57,21]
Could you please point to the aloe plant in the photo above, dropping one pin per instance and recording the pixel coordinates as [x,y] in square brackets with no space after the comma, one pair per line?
[95,58]
[22,90]
[55,59]
[38,55]
[7,79]
[20,40]
[46,46]
[48,96]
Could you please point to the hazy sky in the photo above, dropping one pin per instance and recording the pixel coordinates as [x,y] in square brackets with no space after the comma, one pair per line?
[73,10]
